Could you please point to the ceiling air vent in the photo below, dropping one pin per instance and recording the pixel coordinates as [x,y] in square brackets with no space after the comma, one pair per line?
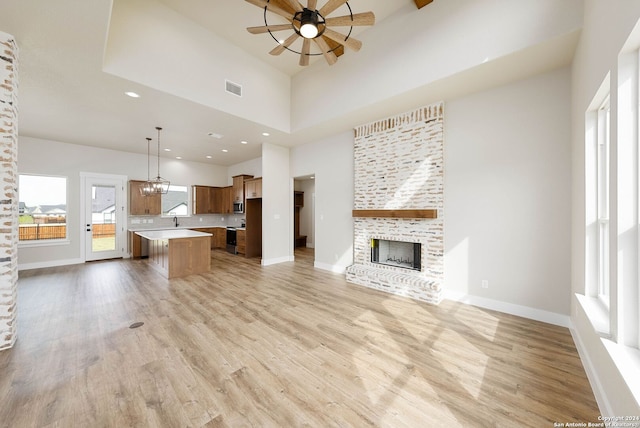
[233,88]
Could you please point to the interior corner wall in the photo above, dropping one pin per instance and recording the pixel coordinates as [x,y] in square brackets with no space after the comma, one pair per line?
[507,193]
[9,192]
[331,161]
[277,205]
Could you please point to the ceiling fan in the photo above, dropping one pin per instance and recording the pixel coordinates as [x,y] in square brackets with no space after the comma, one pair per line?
[312,25]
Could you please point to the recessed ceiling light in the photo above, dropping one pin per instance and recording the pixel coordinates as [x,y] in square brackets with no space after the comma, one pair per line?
[225,150]
[266,134]
[167,150]
[209,157]
[243,142]
[215,135]
[132,94]
[178,157]
[312,177]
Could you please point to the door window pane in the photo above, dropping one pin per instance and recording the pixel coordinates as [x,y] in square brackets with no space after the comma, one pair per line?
[103,228]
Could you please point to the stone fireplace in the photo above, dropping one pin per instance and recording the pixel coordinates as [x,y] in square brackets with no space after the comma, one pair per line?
[398,205]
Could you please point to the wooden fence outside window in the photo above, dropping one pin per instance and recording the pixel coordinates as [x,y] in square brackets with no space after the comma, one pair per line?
[37,232]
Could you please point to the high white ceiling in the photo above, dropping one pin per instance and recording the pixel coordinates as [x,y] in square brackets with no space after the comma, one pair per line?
[66,96]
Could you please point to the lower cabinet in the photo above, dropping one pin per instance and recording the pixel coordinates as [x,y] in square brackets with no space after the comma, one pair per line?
[218,240]
[241,242]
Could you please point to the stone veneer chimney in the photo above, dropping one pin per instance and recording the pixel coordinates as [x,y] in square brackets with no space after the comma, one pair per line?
[399,166]
[9,195]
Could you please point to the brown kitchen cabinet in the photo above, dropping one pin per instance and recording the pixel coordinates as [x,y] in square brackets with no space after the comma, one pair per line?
[203,199]
[241,241]
[253,232]
[253,188]
[238,186]
[221,200]
[227,200]
[135,245]
[143,205]
[220,237]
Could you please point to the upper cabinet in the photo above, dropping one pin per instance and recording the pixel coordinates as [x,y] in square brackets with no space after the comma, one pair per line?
[226,200]
[203,199]
[253,188]
[212,200]
[238,187]
[143,205]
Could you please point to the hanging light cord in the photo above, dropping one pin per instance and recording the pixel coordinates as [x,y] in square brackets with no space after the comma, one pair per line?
[159,129]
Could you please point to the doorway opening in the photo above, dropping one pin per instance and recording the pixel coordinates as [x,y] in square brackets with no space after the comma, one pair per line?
[304,194]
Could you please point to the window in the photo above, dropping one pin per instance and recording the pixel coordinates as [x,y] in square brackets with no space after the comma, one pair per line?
[42,208]
[602,159]
[176,201]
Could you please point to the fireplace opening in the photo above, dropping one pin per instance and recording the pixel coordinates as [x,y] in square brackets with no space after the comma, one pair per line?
[396,253]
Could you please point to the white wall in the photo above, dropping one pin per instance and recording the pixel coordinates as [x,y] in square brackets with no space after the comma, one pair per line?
[154,45]
[507,193]
[438,41]
[605,30]
[277,205]
[250,167]
[47,157]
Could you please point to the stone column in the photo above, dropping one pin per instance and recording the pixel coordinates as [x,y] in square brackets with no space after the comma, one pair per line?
[8,189]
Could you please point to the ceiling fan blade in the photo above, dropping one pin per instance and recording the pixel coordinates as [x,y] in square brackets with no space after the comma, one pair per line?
[350,42]
[266,28]
[326,50]
[330,6]
[365,18]
[295,5]
[271,8]
[281,47]
[304,55]
[312,4]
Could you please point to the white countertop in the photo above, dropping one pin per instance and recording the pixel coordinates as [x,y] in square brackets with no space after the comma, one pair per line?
[146,229]
[170,234]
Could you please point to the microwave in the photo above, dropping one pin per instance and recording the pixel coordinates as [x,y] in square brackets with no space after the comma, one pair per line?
[238,207]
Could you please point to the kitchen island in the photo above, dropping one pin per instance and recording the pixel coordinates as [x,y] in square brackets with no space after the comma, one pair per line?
[178,252]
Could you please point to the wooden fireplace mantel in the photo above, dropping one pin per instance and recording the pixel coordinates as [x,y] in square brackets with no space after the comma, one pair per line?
[396,213]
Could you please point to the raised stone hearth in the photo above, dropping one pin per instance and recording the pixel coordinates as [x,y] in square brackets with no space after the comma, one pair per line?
[399,168]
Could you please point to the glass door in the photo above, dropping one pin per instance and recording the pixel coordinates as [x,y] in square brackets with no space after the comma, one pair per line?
[104,218]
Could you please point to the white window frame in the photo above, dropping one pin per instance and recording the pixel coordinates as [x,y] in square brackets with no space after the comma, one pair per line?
[603,191]
[188,214]
[55,241]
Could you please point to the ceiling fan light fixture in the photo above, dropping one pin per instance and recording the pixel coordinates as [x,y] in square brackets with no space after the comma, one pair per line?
[308,23]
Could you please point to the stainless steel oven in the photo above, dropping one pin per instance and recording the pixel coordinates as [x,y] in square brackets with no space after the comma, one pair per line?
[231,240]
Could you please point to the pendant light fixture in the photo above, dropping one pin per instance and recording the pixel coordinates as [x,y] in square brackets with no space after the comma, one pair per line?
[157,186]
[146,188]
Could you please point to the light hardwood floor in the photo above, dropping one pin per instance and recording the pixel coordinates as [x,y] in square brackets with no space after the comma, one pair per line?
[279,346]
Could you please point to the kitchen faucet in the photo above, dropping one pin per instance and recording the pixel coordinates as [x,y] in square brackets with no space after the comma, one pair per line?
[175,220]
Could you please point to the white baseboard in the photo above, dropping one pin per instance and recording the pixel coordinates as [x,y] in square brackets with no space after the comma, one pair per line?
[510,308]
[592,374]
[268,262]
[330,268]
[52,263]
